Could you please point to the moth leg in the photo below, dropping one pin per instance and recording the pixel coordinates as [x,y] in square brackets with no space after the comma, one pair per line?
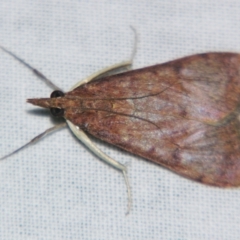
[35,71]
[85,139]
[93,148]
[36,139]
[125,64]
[101,72]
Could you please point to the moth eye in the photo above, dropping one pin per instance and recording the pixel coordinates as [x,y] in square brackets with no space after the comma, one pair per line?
[56,93]
[57,112]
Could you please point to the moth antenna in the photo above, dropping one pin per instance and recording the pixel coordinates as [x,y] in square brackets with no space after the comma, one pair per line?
[35,71]
[37,138]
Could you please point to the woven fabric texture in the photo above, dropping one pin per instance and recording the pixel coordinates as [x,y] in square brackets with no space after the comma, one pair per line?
[57,189]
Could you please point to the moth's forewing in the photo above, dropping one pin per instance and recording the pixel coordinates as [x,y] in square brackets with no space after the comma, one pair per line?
[183,115]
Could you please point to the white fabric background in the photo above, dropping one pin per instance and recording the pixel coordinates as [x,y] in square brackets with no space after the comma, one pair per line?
[57,189]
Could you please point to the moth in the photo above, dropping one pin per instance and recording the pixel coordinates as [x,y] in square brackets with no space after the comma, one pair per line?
[182,115]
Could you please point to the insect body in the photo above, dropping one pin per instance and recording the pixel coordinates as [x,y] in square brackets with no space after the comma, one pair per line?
[183,115]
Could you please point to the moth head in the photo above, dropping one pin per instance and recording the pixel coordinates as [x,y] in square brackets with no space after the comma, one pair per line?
[57,112]
[54,103]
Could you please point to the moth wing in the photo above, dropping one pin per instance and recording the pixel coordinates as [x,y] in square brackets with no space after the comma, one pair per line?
[182,115]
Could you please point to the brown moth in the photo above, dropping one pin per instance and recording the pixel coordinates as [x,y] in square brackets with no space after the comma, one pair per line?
[183,114]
